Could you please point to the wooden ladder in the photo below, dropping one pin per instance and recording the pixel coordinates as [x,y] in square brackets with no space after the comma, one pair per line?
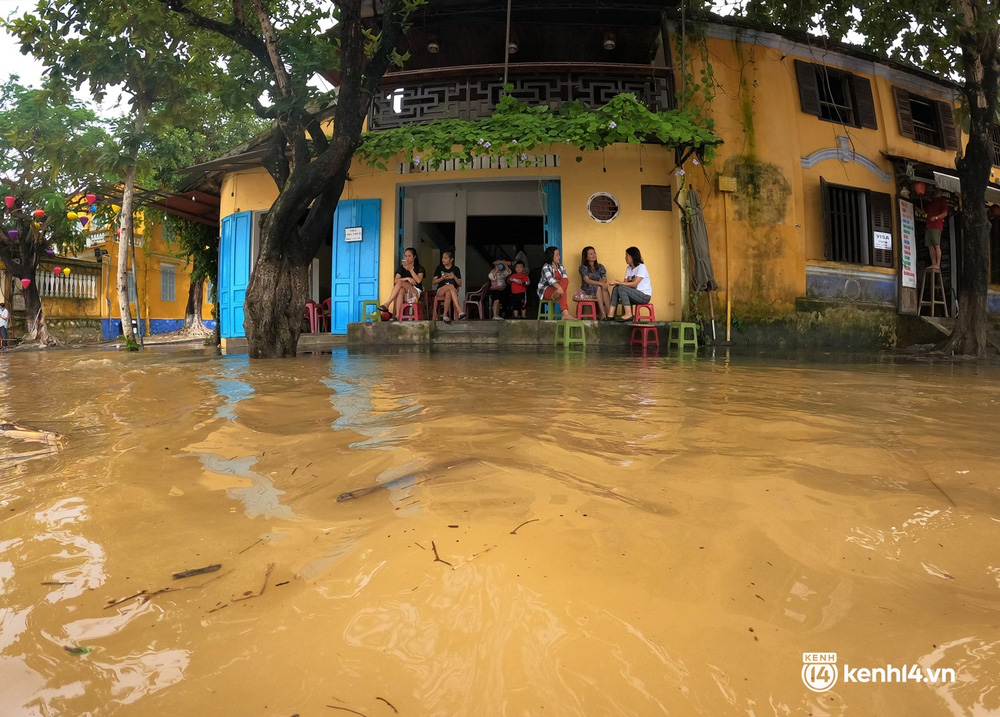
[937,281]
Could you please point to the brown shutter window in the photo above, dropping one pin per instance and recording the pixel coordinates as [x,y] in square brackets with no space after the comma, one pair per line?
[827,229]
[949,132]
[866,114]
[808,90]
[902,99]
[880,206]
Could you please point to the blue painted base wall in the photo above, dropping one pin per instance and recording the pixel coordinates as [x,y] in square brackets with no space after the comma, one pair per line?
[851,286]
[111,328]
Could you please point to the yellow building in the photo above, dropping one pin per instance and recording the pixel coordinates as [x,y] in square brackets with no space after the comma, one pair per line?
[817,192]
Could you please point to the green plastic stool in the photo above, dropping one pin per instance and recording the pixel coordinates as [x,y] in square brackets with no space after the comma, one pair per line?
[368,316]
[547,309]
[567,334]
[683,336]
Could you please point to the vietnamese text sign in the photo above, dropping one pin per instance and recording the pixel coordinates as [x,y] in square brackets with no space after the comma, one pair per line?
[352,234]
[907,245]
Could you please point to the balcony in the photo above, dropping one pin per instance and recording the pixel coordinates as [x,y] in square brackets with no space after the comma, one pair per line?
[471,93]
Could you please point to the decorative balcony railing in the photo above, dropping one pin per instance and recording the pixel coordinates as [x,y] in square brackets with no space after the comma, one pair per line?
[472,92]
[78,285]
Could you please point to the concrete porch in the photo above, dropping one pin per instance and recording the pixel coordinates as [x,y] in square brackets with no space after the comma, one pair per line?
[490,335]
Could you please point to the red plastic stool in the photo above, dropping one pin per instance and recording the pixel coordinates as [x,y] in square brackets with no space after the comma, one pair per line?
[411,312]
[590,313]
[645,335]
[650,313]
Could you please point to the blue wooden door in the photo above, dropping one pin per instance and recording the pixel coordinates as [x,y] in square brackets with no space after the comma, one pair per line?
[356,227]
[234,273]
[552,219]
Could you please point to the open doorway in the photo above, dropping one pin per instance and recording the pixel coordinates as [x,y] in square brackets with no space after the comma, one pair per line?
[950,251]
[492,237]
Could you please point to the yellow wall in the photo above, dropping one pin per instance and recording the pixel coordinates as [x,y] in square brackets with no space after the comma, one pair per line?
[657,234]
[151,252]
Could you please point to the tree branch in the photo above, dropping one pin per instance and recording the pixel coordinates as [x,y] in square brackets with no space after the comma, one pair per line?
[271,43]
[237,31]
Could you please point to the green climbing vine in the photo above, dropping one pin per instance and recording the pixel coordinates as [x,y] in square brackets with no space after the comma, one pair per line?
[516,128]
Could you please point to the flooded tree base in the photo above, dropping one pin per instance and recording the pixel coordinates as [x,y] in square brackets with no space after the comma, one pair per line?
[481,534]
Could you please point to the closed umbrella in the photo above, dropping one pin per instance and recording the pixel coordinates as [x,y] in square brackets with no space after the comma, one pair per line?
[704,278]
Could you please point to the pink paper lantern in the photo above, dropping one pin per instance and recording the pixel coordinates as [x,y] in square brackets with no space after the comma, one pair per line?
[25,283]
[9,201]
[57,271]
[91,198]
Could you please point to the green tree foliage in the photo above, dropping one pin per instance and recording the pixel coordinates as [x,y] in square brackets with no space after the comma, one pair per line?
[957,39]
[50,149]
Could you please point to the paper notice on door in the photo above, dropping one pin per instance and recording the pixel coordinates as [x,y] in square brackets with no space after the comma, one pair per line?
[353,234]
[883,240]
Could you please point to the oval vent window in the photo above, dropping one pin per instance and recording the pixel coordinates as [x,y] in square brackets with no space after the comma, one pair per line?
[603,207]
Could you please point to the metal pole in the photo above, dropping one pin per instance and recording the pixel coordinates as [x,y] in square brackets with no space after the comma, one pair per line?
[729,284]
[506,45]
[135,280]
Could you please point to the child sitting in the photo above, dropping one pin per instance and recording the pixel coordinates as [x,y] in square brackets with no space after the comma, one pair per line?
[519,291]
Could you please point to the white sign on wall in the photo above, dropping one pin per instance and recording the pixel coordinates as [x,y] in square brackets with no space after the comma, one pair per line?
[352,234]
[883,240]
[907,245]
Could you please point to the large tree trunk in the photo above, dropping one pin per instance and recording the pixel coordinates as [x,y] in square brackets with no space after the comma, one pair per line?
[192,312]
[979,66]
[34,316]
[275,303]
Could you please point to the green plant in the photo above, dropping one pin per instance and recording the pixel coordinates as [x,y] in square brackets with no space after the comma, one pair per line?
[516,128]
[130,343]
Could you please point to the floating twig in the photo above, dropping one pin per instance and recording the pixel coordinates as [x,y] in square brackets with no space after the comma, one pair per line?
[383,699]
[77,650]
[514,531]
[250,546]
[294,469]
[197,571]
[437,558]
[55,582]
[346,709]
[216,609]
[112,603]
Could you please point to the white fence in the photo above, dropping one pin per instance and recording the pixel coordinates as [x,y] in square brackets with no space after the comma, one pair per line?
[74,286]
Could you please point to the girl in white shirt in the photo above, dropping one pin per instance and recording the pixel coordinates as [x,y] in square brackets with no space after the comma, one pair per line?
[636,289]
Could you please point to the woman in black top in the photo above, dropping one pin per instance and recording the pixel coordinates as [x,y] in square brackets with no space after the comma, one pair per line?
[448,279]
[409,278]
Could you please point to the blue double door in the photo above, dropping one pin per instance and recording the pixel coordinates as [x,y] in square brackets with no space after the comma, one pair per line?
[356,227]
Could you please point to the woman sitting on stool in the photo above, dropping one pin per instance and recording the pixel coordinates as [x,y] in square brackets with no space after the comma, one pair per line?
[407,286]
[554,283]
[447,279]
[636,289]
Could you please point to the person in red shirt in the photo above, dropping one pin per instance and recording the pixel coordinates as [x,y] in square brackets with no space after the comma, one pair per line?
[519,291]
[936,211]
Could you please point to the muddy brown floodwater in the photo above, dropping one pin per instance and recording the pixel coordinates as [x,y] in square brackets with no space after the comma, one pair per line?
[495,535]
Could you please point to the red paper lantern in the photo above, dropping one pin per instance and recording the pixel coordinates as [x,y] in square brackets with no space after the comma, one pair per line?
[91,198]
[39,213]
[57,271]
[919,188]
[9,201]
[25,283]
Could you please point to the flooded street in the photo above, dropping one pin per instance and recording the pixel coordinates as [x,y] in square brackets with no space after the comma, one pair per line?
[511,534]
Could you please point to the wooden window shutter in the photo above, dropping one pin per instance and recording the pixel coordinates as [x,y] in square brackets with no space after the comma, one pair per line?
[824,191]
[880,206]
[808,89]
[949,132]
[995,136]
[867,117]
[902,98]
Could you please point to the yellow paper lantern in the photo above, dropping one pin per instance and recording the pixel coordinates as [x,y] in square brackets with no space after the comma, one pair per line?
[66,271]
[72,215]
